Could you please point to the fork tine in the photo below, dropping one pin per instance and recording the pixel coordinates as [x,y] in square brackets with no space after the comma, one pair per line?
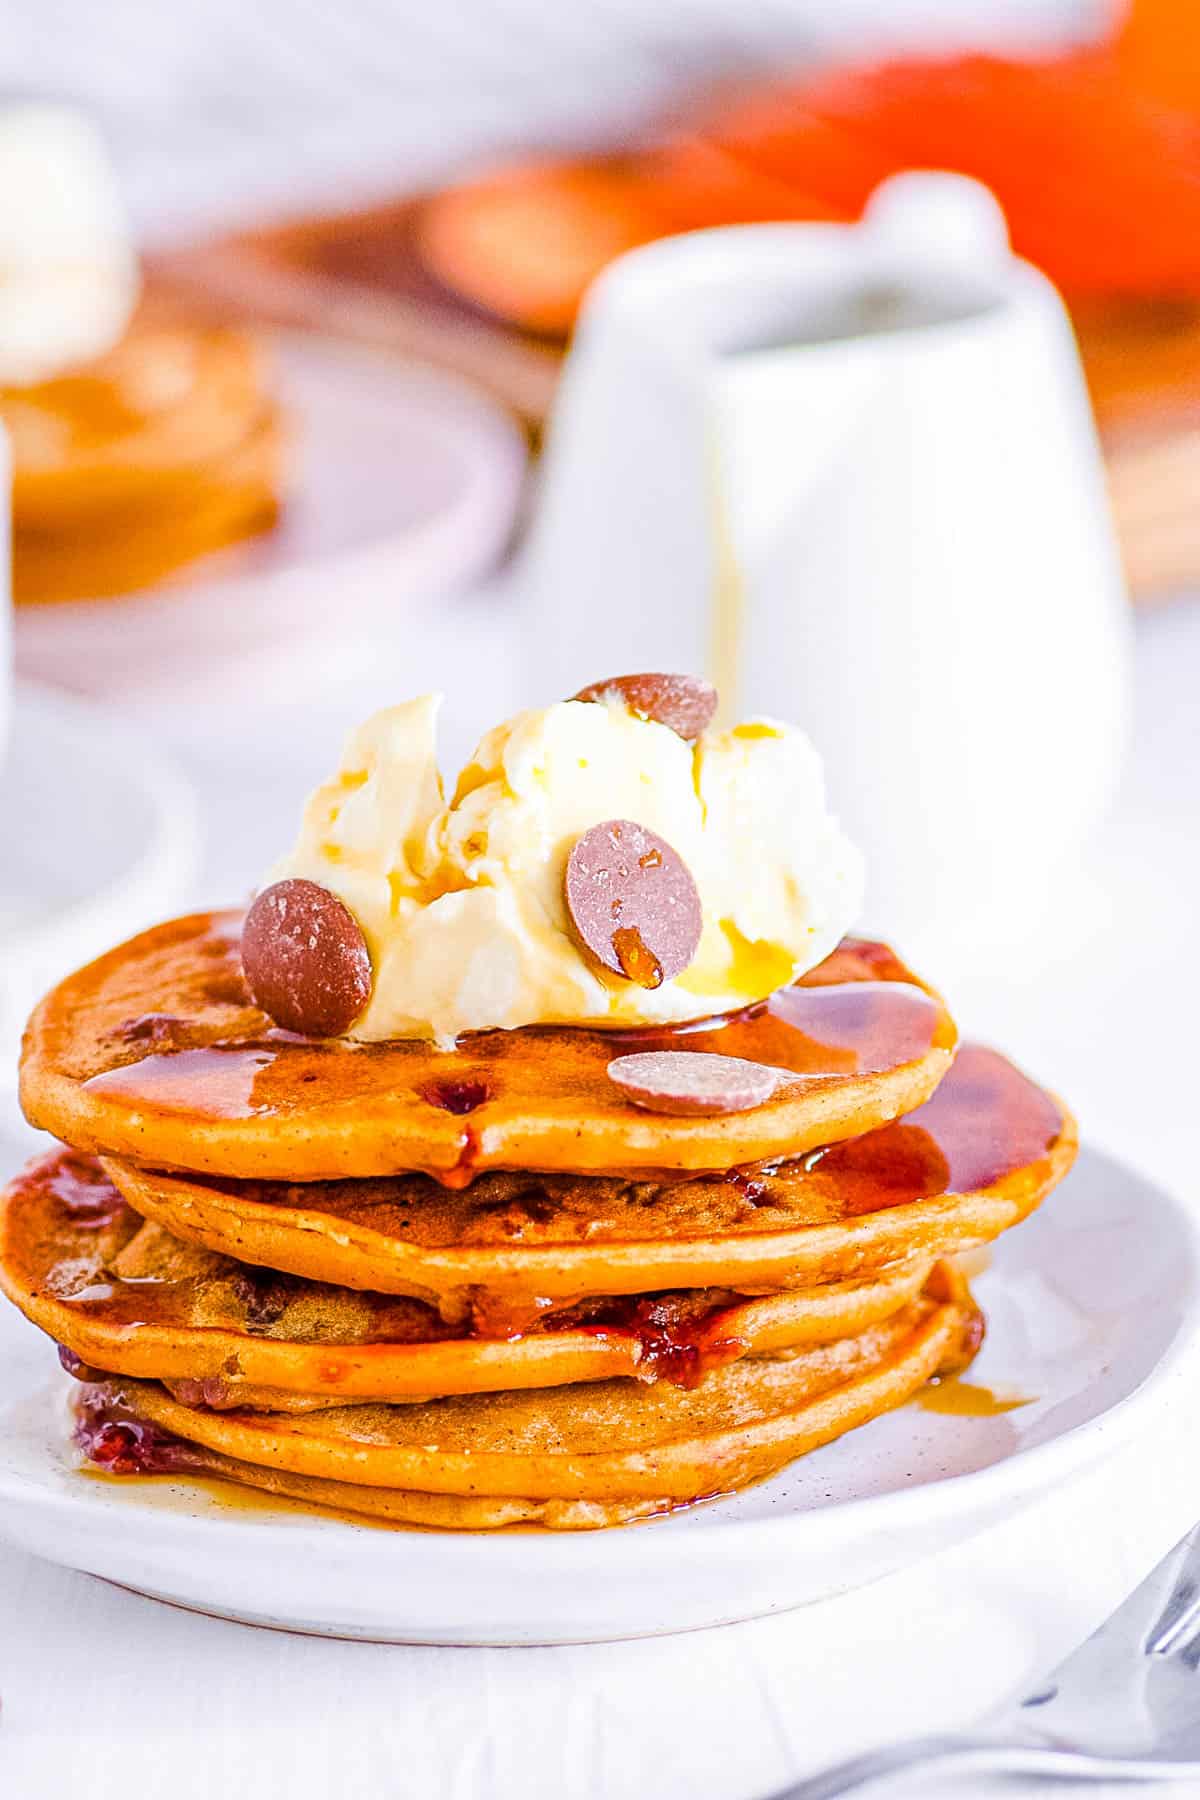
[1176,1623]
[1179,1620]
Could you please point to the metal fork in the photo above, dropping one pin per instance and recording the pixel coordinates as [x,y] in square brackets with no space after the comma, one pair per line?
[1125,1706]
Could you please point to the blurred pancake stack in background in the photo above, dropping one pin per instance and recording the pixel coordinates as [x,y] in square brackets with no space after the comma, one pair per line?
[126,468]
[141,437]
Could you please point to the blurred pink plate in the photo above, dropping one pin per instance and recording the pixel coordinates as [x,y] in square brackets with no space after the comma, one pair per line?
[404,485]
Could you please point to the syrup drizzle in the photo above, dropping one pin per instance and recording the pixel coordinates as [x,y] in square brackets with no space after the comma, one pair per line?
[984,1121]
[828,1031]
[968,1399]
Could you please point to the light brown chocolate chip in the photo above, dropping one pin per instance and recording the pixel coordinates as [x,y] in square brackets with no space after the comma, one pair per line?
[633,902]
[694,1081]
[305,959]
[684,702]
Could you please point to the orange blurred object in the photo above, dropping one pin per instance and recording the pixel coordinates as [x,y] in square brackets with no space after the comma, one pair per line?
[525,244]
[1094,155]
[1158,49]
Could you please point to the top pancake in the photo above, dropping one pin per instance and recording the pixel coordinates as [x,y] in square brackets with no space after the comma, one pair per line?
[155,1054]
[124,468]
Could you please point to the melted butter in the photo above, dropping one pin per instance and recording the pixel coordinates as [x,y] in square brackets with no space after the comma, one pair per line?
[756,729]
[969,1399]
[756,966]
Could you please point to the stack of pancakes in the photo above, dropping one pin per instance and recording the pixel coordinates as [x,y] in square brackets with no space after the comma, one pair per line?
[124,468]
[482,1287]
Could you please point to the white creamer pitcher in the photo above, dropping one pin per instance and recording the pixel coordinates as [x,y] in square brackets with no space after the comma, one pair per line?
[851,473]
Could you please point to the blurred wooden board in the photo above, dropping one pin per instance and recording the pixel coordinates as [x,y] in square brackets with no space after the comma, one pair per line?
[360,275]
[1143,369]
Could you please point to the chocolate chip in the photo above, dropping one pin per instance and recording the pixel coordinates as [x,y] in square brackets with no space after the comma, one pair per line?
[305,959]
[693,1081]
[684,702]
[633,902]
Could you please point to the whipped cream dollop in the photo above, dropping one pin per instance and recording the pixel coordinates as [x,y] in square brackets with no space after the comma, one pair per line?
[69,278]
[461,902]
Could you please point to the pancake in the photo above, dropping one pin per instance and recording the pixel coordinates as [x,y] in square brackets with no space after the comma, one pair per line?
[604,1443]
[111,1427]
[125,1297]
[167,446]
[951,1176]
[153,1053]
[224,502]
[131,428]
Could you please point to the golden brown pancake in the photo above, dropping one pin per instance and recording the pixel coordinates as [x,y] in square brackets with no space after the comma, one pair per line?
[226,503]
[167,446]
[973,1160]
[120,430]
[154,1053]
[125,1297]
[111,1407]
[603,1443]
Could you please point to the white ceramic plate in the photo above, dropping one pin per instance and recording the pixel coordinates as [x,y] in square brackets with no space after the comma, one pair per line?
[99,837]
[405,483]
[1093,1308]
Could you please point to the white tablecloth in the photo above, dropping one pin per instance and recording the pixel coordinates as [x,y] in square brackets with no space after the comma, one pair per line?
[112,1696]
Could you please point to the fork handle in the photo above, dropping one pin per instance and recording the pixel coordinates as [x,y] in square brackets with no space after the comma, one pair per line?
[979,1755]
